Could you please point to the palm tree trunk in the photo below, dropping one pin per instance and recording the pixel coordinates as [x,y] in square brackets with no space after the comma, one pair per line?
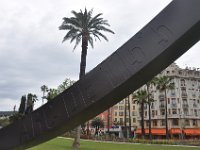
[142,120]
[76,144]
[125,132]
[166,117]
[43,98]
[108,121]
[149,102]
[129,112]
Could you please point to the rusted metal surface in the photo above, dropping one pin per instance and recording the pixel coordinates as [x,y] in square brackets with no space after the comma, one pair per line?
[170,34]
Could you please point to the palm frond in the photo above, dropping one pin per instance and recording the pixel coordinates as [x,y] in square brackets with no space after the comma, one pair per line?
[91,42]
[84,24]
[78,39]
[105,29]
[100,34]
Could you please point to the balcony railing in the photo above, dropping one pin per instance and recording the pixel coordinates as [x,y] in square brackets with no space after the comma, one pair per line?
[184,94]
[161,96]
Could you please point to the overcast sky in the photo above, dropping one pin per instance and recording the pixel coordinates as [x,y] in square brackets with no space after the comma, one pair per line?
[31,51]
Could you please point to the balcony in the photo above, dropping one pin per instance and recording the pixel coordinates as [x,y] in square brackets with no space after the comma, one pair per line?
[161,96]
[184,94]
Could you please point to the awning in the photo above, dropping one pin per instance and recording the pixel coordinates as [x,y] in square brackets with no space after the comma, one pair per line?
[175,131]
[192,131]
[154,131]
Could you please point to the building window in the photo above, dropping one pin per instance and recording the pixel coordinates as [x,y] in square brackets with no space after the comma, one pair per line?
[169,111]
[145,113]
[162,123]
[121,107]
[162,112]
[115,120]
[174,102]
[121,113]
[179,111]
[173,93]
[185,111]
[195,112]
[153,113]
[134,107]
[174,111]
[121,120]
[115,113]
[187,122]
[194,122]
[175,122]
[133,113]
[115,107]
[134,120]
[168,100]
[154,122]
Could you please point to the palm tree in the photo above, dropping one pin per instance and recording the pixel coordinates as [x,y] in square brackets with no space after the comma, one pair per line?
[22,105]
[31,99]
[149,101]
[140,97]
[125,127]
[83,27]
[163,84]
[129,117]
[108,120]
[44,89]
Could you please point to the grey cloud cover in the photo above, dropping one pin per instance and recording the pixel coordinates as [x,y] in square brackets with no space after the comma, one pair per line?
[31,52]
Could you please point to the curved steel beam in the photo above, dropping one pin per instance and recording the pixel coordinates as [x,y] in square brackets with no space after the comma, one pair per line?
[170,34]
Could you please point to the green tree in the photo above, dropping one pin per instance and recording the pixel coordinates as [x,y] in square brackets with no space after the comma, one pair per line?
[163,84]
[22,105]
[44,89]
[97,123]
[31,99]
[140,97]
[52,93]
[83,27]
[65,85]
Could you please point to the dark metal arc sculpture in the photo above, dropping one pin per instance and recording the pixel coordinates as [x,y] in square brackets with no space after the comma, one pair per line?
[170,34]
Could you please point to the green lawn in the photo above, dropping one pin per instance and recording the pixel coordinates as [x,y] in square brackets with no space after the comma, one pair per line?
[65,144]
